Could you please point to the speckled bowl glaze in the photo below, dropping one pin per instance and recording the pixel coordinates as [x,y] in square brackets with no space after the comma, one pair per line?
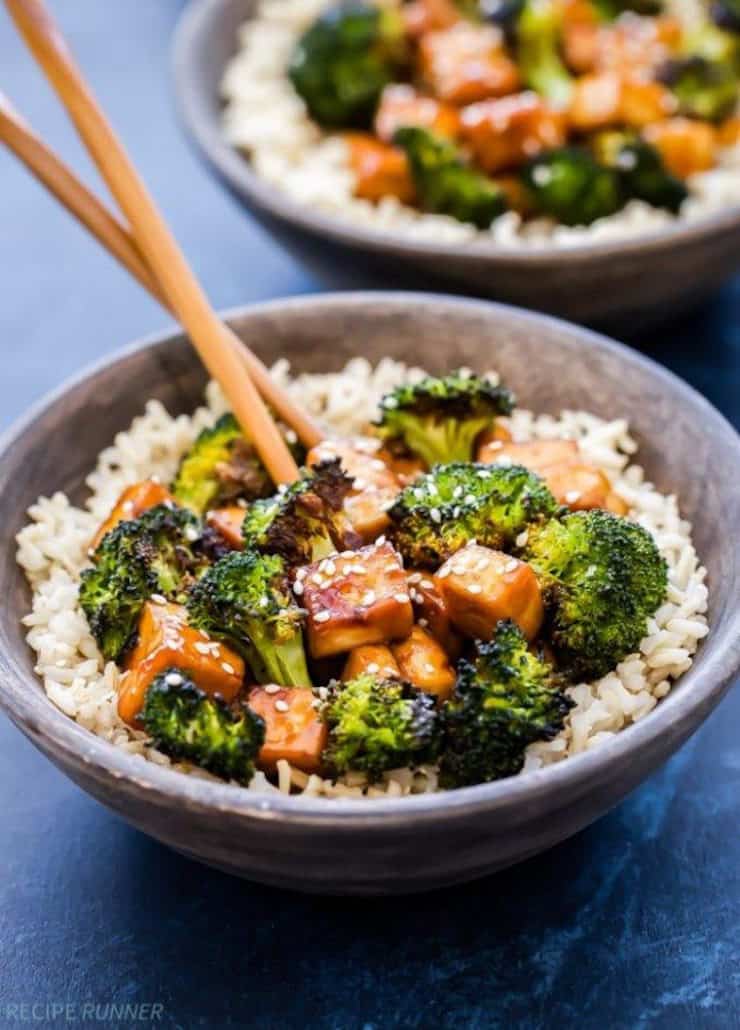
[394,845]
[623,285]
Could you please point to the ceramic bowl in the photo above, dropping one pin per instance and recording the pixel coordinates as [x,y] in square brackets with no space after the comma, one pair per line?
[407,844]
[623,285]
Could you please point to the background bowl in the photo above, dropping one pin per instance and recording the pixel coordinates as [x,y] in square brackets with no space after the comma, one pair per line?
[624,284]
[412,843]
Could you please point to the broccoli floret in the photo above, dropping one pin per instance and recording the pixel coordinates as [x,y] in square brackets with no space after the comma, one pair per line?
[246,600]
[445,184]
[304,522]
[641,169]
[504,699]
[570,186]
[379,724]
[440,418]
[602,578]
[453,504]
[341,65]
[223,465]
[158,553]
[538,32]
[187,724]
[610,10]
[704,88]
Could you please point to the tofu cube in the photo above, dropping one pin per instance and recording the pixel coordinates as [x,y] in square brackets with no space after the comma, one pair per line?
[380,169]
[228,523]
[432,613]
[466,63]
[166,640]
[376,659]
[375,484]
[358,597]
[134,501]
[293,729]
[423,662]
[482,586]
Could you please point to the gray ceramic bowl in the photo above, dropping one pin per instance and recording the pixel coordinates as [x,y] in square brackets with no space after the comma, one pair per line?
[419,842]
[623,285]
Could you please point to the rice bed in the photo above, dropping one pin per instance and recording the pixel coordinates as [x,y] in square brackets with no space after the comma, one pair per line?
[52,550]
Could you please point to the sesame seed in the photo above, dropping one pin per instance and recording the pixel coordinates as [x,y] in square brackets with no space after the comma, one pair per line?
[347,554]
[496,445]
[228,667]
[202,648]
[456,511]
[373,667]
[435,515]
[272,688]
[572,496]
[475,588]
[155,479]
[378,465]
[415,577]
[322,616]
[368,598]
[359,570]
[359,483]
[511,566]
[427,584]
[457,492]
[423,623]
[380,541]
[481,564]
[301,573]
[323,693]
[401,598]
[281,705]
[128,506]
[173,679]
[298,587]
[428,667]
[330,567]
[241,502]
[204,634]
[264,601]
[444,572]
[522,538]
[470,499]
[159,599]
[291,436]
[317,579]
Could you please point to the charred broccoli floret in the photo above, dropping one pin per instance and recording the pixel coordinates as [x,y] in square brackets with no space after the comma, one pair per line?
[379,724]
[445,184]
[246,600]
[602,577]
[504,699]
[704,88]
[223,465]
[188,725]
[570,186]
[304,522]
[538,32]
[454,504]
[440,418]
[345,59]
[158,553]
[641,169]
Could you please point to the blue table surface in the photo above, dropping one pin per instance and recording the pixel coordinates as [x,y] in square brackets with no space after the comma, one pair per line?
[633,923]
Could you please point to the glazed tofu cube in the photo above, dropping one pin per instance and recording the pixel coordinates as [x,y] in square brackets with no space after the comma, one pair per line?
[466,63]
[432,612]
[407,469]
[380,170]
[166,640]
[422,16]
[610,98]
[359,597]
[293,729]
[505,133]
[401,105]
[134,501]
[376,659]
[228,523]
[535,455]
[482,586]
[728,133]
[580,486]
[687,146]
[375,485]
[423,662]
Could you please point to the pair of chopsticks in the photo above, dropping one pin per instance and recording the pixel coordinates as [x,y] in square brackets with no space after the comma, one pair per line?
[147,249]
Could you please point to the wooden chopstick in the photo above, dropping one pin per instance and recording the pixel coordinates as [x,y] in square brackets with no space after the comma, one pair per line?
[154,239]
[93,214]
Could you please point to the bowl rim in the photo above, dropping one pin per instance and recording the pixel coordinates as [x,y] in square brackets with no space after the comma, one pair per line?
[36,714]
[236,170]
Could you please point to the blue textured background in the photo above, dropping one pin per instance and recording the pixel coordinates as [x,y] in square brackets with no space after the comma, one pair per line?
[634,923]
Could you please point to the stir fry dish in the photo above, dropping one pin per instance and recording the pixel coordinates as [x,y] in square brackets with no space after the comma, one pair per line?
[424,595]
[567,109]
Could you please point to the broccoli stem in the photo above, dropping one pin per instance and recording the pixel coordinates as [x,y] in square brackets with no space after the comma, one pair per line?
[282,662]
[442,441]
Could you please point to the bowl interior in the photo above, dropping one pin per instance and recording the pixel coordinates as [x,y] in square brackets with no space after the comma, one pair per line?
[685,445]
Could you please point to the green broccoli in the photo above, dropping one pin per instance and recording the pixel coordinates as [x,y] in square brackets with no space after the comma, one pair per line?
[570,186]
[440,418]
[304,522]
[610,10]
[223,465]
[641,169]
[445,184]
[188,725]
[453,504]
[341,65]
[505,699]
[157,553]
[538,32]
[602,578]
[704,88]
[246,600]
[378,724]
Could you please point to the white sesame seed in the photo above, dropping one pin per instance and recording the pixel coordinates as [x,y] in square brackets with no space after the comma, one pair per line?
[330,567]
[323,693]
[415,577]
[281,705]
[378,465]
[228,667]
[481,564]
[359,483]
[475,588]
[272,688]
[444,572]
[373,667]
[423,623]
[191,534]
[323,616]
[522,538]
[298,588]
[159,599]
[347,554]
[173,679]
[317,579]
[470,499]
[428,667]
[368,598]
[380,541]
[202,648]
[401,598]
[457,492]
[511,566]
[264,601]
[241,502]
[572,496]
[155,479]
[427,584]
[435,515]
[204,634]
